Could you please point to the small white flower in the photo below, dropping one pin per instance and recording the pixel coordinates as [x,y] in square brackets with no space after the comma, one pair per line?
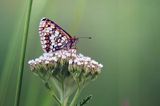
[70,61]
[79,63]
[56,53]
[37,60]
[59,55]
[94,62]
[73,55]
[41,57]
[50,54]
[88,59]
[68,54]
[76,60]
[100,65]
[81,55]
[46,62]
[88,66]
[85,62]
[31,62]
[50,59]
[93,66]
[45,54]
[63,57]
[54,59]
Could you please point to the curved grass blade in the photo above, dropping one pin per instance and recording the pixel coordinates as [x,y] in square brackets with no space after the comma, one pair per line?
[22,56]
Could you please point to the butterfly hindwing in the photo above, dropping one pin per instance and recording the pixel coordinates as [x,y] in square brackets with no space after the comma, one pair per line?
[52,36]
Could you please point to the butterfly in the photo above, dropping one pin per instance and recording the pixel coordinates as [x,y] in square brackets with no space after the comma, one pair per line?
[53,37]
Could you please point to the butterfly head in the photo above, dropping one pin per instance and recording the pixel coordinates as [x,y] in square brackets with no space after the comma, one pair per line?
[74,40]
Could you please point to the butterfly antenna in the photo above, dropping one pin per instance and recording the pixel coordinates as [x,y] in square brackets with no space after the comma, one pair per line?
[86,37]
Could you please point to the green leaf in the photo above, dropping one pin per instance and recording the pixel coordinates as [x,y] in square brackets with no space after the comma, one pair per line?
[85,100]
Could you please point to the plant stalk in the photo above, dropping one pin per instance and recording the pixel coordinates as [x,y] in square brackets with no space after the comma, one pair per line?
[74,100]
[64,102]
[22,55]
[57,99]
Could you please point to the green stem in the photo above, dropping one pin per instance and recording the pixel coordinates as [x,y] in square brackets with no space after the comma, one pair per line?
[56,98]
[52,93]
[64,102]
[74,101]
[63,98]
[22,56]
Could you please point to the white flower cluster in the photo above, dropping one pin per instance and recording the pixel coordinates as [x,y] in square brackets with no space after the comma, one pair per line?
[70,56]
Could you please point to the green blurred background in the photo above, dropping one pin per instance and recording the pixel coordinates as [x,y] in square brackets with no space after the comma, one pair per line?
[126,40]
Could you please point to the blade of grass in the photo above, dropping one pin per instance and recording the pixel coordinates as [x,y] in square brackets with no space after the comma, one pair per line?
[11,56]
[22,55]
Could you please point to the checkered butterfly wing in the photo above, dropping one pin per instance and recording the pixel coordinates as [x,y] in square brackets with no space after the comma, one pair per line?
[52,36]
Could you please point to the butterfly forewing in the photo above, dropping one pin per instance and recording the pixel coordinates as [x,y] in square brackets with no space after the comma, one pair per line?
[52,36]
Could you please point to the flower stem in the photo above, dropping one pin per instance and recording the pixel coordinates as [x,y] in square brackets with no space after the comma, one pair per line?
[63,96]
[57,99]
[22,55]
[65,101]
[73,103]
